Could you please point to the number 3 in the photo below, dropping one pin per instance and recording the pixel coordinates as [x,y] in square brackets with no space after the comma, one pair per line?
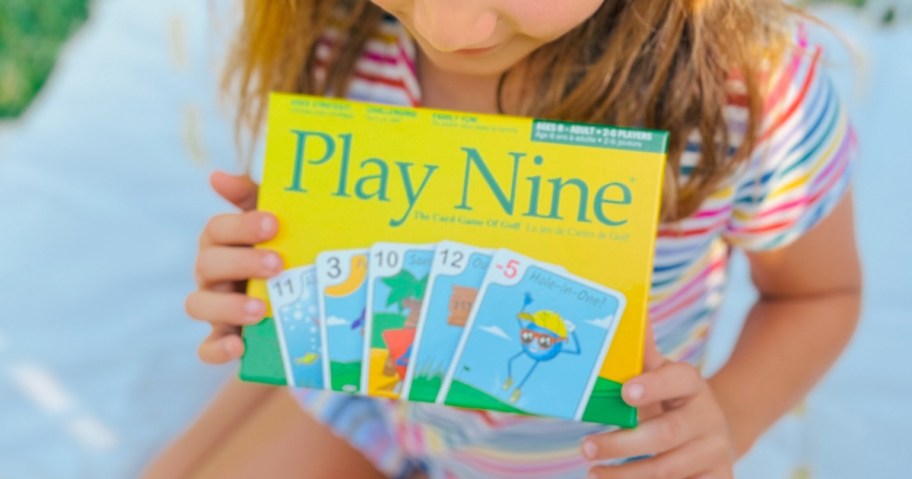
[335,269]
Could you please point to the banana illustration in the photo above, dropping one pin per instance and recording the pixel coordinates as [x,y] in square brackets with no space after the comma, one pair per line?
[356,277]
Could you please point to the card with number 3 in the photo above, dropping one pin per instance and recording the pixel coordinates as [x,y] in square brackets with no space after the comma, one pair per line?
[342,285]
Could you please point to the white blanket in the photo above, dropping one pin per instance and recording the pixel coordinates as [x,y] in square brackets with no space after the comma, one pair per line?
[103,191]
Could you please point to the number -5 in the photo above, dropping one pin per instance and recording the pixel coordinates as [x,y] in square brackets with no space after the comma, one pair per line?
[510,271]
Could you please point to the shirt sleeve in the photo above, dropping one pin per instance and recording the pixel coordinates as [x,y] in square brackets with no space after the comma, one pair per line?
[802,164]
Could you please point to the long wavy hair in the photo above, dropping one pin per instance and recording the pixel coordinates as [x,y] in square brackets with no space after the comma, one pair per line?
[662,64]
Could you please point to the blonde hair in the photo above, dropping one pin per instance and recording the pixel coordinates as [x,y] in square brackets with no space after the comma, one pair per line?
[662,64]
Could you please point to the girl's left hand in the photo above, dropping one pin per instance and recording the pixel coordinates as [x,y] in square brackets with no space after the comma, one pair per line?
[682,427]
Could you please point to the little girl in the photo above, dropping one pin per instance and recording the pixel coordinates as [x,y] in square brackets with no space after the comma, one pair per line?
[759,160]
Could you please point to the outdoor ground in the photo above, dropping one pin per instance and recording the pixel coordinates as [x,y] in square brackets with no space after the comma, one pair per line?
[103,193]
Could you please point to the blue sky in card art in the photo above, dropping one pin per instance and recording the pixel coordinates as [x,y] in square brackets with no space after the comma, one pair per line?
[302,335]
[439,339]
[345,343]
[556,386]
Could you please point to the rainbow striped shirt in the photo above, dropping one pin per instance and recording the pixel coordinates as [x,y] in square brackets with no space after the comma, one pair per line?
[797,174]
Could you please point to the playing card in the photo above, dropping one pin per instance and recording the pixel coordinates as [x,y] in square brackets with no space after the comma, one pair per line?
[342,287]
[397,278]
[455,278]
[535,341]
[293,295]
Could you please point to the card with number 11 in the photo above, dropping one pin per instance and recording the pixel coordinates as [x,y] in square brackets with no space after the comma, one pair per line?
[293,295]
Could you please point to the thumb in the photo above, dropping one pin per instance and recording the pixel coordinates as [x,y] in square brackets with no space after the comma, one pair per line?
[652,358]
[240,190]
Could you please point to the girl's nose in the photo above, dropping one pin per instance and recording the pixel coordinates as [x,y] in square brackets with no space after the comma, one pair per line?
[451,25]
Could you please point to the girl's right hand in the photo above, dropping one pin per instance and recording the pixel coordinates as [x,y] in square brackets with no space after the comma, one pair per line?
[225,262]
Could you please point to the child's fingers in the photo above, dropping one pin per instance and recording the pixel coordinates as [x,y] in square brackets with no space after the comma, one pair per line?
[240,190]
[671,381]
[681,463]
[224,263]
[225,308]
[244,229]
[221,346]
[662,433]
[652,358]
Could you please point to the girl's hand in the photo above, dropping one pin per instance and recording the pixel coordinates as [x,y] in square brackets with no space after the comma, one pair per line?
[224,264]
[683,427]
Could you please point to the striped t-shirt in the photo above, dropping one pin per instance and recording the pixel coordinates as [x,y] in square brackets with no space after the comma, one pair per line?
[797,174]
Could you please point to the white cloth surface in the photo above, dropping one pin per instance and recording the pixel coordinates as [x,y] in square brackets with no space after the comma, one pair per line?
[103,192]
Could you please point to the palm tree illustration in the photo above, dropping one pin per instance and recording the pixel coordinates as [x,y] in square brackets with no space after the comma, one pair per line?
[407,294]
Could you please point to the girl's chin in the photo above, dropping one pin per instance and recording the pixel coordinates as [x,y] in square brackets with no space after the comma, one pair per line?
[473,64]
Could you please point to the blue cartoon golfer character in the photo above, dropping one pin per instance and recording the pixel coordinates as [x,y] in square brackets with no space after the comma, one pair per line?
[542,335]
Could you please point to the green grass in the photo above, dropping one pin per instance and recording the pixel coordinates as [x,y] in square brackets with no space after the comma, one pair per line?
[262,361]
[463,395]
[31,34]
[605,404]
[345,374]
[425,388]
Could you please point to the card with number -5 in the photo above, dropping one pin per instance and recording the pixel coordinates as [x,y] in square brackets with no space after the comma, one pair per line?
[535,341]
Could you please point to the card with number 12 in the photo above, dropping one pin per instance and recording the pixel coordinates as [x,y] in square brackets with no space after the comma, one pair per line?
[456,275]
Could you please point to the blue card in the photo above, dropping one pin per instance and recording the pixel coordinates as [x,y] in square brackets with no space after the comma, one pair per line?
[535,341]
[455,278]
[397,278]
[342,293]
[293,295]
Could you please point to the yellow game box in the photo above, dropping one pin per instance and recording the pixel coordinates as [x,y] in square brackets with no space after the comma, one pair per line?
[480,261]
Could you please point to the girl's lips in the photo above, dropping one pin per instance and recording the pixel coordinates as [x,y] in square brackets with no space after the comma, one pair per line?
[476,51]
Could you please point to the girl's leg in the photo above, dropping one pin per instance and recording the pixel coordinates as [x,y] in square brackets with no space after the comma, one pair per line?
[259,431]
[227,412]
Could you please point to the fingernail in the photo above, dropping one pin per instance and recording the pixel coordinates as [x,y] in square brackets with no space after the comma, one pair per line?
[272,262]
[634,392]
[590,450]
[267,225]
[254,307]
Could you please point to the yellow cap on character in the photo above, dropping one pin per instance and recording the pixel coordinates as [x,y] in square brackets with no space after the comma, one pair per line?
[548,320]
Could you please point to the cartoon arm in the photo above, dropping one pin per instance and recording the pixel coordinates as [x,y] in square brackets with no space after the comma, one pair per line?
[527,299]
[575,343]
[404,360]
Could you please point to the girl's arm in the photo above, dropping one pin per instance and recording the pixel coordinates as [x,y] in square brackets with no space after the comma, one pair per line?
[810,295]
[809,304]
[250,430]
